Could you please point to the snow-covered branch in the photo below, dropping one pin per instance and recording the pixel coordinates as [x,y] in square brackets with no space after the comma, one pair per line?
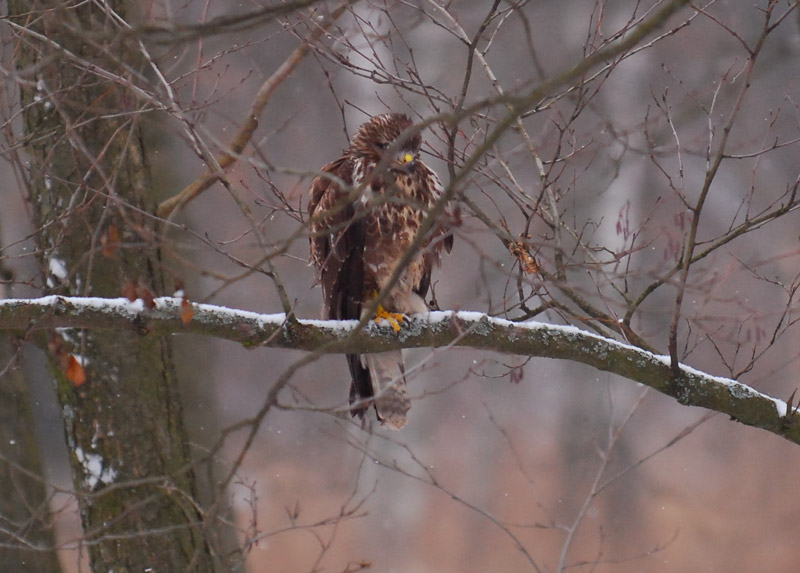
[437,329]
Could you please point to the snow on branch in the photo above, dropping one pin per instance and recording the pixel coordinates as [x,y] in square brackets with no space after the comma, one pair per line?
[435,330]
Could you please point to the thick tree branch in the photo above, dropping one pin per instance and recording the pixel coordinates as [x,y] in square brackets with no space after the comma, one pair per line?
[438,329]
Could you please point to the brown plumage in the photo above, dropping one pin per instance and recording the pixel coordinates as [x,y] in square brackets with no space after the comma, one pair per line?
[363,220]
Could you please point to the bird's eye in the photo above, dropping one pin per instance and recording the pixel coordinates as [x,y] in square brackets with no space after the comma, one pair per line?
[382,145]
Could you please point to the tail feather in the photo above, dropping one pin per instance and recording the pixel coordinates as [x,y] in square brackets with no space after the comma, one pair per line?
[389,391]
[360,387]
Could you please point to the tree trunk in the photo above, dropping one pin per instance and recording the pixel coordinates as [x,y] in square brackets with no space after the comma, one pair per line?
[27,542]
[90,199]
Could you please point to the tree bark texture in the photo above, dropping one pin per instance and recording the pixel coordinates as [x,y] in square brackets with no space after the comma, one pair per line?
[90,201]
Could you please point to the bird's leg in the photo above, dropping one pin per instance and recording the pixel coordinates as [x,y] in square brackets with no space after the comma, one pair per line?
[393,318]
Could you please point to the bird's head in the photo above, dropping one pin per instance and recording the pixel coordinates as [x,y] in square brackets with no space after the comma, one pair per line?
[382,134]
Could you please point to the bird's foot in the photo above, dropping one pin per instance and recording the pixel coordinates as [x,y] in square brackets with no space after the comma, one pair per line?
[393,318]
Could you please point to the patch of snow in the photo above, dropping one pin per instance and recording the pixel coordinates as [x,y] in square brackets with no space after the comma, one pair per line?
[94,469]
[335,325]
[476,316]
[232,313]
[780,405]
[40,94]
[66,334]
[439,316]
[57,268]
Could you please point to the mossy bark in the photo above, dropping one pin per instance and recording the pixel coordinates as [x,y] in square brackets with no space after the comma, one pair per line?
[90,198]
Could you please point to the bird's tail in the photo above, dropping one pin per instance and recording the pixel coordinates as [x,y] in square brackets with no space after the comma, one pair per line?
[389,387]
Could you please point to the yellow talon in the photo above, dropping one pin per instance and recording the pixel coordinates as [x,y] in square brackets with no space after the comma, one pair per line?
[393,318]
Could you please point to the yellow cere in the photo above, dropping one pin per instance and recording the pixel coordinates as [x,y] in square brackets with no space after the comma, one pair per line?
[408,158]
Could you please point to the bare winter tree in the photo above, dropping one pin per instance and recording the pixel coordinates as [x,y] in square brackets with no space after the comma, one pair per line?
[620,185]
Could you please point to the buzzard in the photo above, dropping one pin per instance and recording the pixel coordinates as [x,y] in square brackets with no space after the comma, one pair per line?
[365,212]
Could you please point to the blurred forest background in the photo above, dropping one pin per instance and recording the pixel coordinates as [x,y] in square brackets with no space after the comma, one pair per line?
[507,464]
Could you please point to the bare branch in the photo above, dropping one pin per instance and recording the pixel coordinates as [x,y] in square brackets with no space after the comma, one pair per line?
[467,329]
[242,138]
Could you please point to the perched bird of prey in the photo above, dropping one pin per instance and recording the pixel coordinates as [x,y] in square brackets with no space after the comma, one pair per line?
[365,212]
